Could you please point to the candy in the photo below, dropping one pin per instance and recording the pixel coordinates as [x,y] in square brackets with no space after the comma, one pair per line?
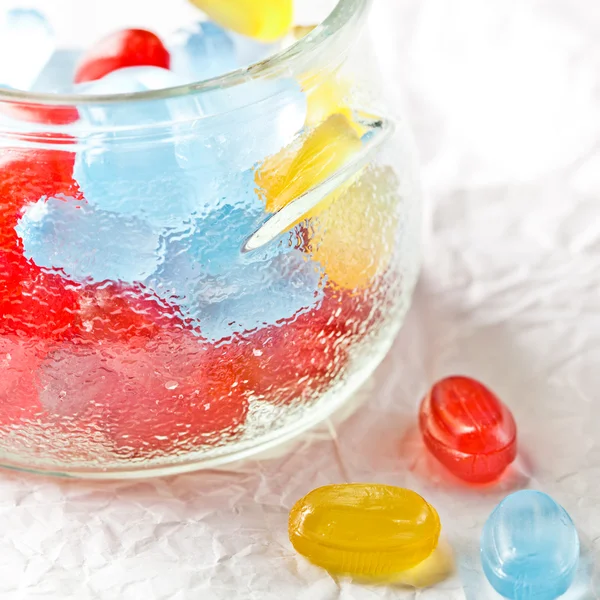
[529,547]
[365,530]
[19,401]
[296,360]
[223,291]
[327,97]
[87,244]
[289,174]
[172,395]
[126,48]
[32,300]
[354,238]
[265,20]
[162,182]
[237,129]
[26,45]
[468,429]
[39,113]
[57,75]
[114,312]
[202,50]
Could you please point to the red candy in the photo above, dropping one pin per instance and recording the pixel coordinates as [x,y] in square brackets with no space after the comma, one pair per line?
[289,361]
[19,402]
[113,312]
[468,429]
[25,177]
[126,48]
[40,113]
[32,300]
[171,395]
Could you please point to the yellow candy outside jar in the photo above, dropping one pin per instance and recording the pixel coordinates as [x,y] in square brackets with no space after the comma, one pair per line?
[364,530]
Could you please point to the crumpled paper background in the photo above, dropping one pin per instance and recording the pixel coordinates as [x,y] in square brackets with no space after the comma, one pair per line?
[504,100]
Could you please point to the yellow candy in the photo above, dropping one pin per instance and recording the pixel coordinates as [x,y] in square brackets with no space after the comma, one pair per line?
[264,20]
[293,171]
[364,530]
[326,98]
[354,238]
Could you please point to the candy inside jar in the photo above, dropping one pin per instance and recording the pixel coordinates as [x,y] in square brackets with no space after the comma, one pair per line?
[188,268]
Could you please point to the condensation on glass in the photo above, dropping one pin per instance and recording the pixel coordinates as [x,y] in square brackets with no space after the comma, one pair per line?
[190,275]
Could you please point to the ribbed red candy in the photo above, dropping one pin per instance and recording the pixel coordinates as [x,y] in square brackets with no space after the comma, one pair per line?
[468,429]
[125,48]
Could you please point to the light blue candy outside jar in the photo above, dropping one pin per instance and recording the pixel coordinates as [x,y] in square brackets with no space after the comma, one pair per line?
[529,547]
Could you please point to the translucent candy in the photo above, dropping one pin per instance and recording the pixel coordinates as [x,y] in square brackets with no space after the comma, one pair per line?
[223,291]
[57,75]
[265,20]
[529,547]
[33,302]
[19,400]
[468,429]
[287,175]
[242,135]
[364,530]
[202,50]
[113,312]
[173,394]
[162,182]
[130,80]
[32,112]
[298,358]
[125,48]
[326,97]
[87,244]
[354,238]
[26,45]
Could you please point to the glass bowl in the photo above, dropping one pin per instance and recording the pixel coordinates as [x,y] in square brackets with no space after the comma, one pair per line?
[191,275]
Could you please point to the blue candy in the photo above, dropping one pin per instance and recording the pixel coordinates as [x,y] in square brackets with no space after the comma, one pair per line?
[201,51]
[154,168]
[529,547]
[26,44]
[253,120]
[57,75]
[223,291]
[135,113]
[87,244]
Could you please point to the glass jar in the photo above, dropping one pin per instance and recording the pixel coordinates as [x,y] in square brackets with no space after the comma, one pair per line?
[193,274]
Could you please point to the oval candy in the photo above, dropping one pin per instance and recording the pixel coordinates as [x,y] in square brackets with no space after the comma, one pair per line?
[264,20]
[365,530]
[468,429]
[529,547]
[125,48]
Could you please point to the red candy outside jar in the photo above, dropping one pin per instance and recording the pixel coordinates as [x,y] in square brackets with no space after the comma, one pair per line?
[468,429]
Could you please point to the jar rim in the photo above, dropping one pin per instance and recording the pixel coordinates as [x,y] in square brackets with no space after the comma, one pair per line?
[341,18]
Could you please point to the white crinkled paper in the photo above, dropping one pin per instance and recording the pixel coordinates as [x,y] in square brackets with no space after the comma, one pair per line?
[504,99]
